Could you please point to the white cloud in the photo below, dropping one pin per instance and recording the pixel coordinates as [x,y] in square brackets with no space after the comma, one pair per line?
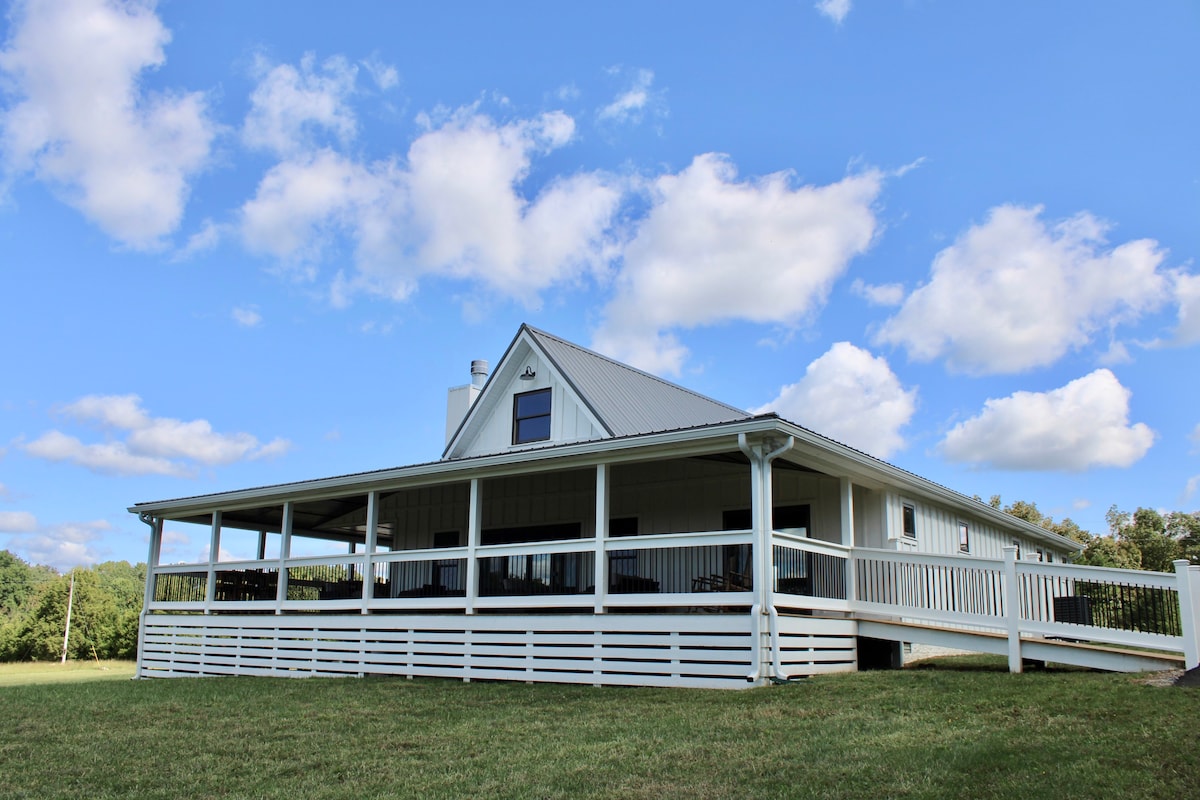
[1079,426]
[885,294]
[454,209]
[61,546]
[1195,436]
[247,316]
[110,458]
[1187,292]
[290,105]
[119,154]
[836,10]
[151,445]
[713,249]
[631,104]
[852,397]
[1013,294]
[203,240]
[303,203]
[17,522]
[385,75]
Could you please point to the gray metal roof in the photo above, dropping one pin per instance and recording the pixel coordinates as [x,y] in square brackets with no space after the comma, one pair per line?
[628,401]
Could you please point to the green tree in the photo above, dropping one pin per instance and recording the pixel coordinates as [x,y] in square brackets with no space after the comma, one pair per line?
[1146,530]
[18,581]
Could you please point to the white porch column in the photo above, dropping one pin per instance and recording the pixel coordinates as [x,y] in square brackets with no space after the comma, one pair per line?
[214,552]
[848,535]
[262,545]
[474,526]
[285,552]
[368,587]
[152,558]
[1189,610]
[601,558]
[1012,608]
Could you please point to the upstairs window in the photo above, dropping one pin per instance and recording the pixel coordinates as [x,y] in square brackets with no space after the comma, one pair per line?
[910,520]
[964,538]
[531,416]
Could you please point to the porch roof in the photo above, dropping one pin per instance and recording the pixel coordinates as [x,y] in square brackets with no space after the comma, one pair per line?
[811,449]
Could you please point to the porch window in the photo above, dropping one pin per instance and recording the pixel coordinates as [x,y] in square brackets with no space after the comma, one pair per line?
[531,416]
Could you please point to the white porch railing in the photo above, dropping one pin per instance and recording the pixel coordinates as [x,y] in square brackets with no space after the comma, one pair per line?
[1094,605]
[711,571]
[704,569]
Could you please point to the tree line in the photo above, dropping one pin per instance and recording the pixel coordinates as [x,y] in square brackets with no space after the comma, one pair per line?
[1144,539]
[108,597]
[105,606]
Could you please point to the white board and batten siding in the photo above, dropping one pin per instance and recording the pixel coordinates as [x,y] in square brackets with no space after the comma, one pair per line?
[937,531]
[570,420]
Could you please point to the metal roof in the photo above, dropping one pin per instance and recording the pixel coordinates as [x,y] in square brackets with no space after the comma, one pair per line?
[626,400]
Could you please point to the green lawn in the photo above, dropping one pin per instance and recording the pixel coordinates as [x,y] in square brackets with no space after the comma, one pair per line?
[961,729]
[72,671]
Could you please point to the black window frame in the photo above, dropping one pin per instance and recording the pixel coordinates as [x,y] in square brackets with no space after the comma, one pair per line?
[520,421]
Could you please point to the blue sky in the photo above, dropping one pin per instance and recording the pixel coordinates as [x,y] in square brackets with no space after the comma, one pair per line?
[249,243]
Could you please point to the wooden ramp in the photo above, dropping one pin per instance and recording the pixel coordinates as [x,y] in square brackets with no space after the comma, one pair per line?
[1037,648]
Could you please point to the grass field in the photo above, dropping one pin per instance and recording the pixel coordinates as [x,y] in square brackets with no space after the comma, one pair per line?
[963,728]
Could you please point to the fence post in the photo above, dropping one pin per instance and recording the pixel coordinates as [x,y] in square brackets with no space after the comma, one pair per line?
[1189,612]
[1012,608]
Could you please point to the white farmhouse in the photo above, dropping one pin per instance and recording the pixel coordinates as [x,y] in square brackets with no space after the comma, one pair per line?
[591,523]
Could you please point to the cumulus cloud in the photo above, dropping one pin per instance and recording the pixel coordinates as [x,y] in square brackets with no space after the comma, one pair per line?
[852,397]
[631,104]
[291,105]
[150,445]
[385,75]
[82,123]
[836,10]
[713,249]
[61,546]
[247,316]
[454,208]
[1079,426]
[1015,293]
[1187,292]
[17,522]
[885,294]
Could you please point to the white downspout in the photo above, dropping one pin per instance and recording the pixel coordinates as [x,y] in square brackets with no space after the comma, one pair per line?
[760,468]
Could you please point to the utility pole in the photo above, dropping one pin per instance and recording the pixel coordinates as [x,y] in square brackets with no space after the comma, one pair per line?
[67,630]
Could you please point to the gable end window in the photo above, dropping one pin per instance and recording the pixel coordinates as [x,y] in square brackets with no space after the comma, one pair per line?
[531,416]
[910,520]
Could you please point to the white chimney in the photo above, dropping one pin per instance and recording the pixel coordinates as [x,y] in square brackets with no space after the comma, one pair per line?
[460,398]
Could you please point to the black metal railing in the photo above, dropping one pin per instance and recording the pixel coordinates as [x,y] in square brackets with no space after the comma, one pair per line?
[444,577]
[180,587]
[246,584]
[666,570]
[536,574]
[809,574]
[324,582]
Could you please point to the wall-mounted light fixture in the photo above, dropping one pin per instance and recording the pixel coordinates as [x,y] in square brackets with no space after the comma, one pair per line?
[528,374]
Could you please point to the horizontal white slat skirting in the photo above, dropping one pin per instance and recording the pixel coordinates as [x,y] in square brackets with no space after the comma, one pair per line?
[618,649]
[816,645]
